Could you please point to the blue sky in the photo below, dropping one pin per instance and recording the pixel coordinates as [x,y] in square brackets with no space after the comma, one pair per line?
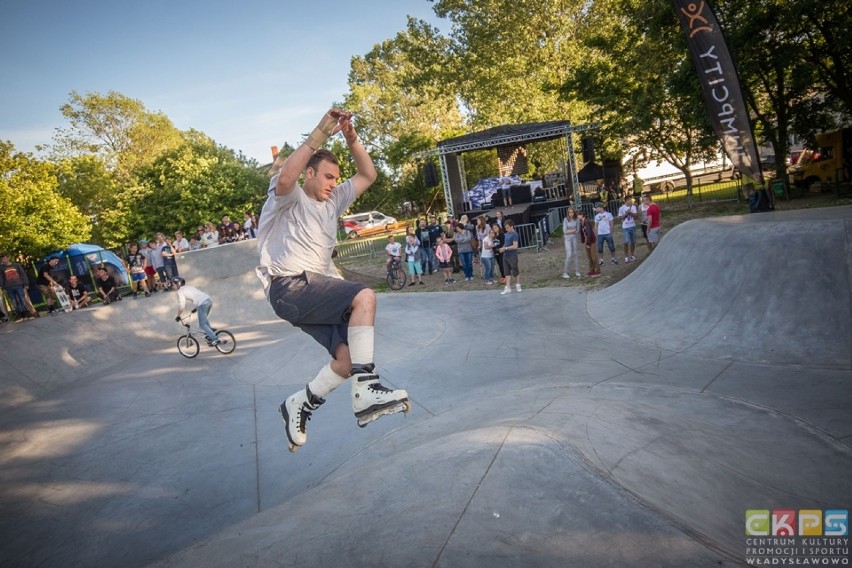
[249,74]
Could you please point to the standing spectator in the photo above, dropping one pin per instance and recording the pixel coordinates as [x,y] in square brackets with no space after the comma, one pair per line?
[14,280]
[136,262]
[46,283]
[497,244]
[643,218]
[194,243]
[587,237]
[444,254]
[199,232]
[465,251]
[511,242]
[250,224]
[571,233]
[435,231]
[627,213]
[210,238]
[169,260]
[425,251]
[180,243]
[450,239]
[412,256]
[482,230]
[506,192]
[226,231]
[105,283]
[654,225]
[603,228]
[500,220]
[148,250]
[158,262]
[78,295]
[487,257]
[237,233]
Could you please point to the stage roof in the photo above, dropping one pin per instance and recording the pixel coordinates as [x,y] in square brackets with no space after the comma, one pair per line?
[503,135]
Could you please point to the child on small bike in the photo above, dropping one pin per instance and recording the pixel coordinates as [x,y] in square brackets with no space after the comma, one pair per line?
[203,304]
[394,250]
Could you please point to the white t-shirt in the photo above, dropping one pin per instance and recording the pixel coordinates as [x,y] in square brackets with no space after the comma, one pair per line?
[394,249]
[298,234]
[210,239]
[628,216]
[604,221]
[411,250]
[192,294]
[487,251]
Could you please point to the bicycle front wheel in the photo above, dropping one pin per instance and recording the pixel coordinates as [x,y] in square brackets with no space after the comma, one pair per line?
[396,278]
[188,346]
[227,343]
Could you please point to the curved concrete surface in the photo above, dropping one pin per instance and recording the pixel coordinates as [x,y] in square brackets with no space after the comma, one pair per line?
[627,427]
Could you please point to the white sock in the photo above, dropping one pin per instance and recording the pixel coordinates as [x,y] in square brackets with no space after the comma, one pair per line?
[361,342]
[325,382]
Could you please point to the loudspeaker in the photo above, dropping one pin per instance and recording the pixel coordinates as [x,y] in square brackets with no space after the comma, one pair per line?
[497,199]
[520,194]
[430,173]
[588,149]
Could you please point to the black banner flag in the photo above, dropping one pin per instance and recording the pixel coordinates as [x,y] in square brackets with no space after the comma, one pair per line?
[720,84]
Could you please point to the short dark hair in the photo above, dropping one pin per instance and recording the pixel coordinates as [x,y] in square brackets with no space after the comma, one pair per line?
[509,223]
[319,156]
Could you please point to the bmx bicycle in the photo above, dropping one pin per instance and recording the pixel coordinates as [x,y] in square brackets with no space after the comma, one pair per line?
[396,275]
[188,345]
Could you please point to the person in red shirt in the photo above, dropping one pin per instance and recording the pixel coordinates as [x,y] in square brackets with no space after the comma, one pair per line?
[653,215]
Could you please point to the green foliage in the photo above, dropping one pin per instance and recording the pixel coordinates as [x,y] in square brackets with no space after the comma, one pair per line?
[36,218]
[192,184]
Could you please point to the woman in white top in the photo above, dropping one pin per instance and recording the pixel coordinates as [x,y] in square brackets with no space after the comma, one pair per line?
[571,233]
[210,238]
[487,256]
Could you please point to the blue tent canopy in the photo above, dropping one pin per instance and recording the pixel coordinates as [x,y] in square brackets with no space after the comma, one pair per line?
[82,258]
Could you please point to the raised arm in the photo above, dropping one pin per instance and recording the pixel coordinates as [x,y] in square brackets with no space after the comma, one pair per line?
[331,123]
[366,171]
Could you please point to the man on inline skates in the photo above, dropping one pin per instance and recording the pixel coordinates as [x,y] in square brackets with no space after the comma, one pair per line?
[296,237]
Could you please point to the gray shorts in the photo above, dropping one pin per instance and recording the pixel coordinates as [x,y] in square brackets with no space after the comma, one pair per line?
[317,304]
[654,235]
[510,264]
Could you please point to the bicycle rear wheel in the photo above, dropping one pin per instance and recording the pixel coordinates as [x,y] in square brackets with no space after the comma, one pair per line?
[396,278]
[227,343]
[188,346]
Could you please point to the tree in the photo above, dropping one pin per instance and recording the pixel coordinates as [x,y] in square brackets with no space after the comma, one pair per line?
[36,219]
[638,80]
[197,182]
[116,129]
[402,107]
[509,59]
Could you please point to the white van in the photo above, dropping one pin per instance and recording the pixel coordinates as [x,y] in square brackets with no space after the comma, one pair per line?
[356,225]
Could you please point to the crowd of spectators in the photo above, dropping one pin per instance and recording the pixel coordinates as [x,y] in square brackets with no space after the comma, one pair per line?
[150,265]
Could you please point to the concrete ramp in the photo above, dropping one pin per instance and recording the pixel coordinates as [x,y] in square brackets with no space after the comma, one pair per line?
[765,288]
[632,426]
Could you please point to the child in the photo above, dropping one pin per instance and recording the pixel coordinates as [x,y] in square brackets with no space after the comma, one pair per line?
[394,250]
[412,255]
[445,259]
[511,242]
[202,302]
[136,262]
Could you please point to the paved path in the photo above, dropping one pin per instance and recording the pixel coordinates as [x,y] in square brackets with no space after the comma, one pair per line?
[627,427]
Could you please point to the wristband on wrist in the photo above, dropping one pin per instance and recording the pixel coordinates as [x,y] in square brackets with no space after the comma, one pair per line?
[322,132]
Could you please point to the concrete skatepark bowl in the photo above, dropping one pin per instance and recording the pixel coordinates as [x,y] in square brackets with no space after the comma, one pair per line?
[631,426]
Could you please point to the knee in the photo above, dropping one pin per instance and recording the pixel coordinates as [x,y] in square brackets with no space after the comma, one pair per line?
[365,300]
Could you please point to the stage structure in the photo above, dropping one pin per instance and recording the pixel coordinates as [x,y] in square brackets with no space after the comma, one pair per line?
[510,142]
